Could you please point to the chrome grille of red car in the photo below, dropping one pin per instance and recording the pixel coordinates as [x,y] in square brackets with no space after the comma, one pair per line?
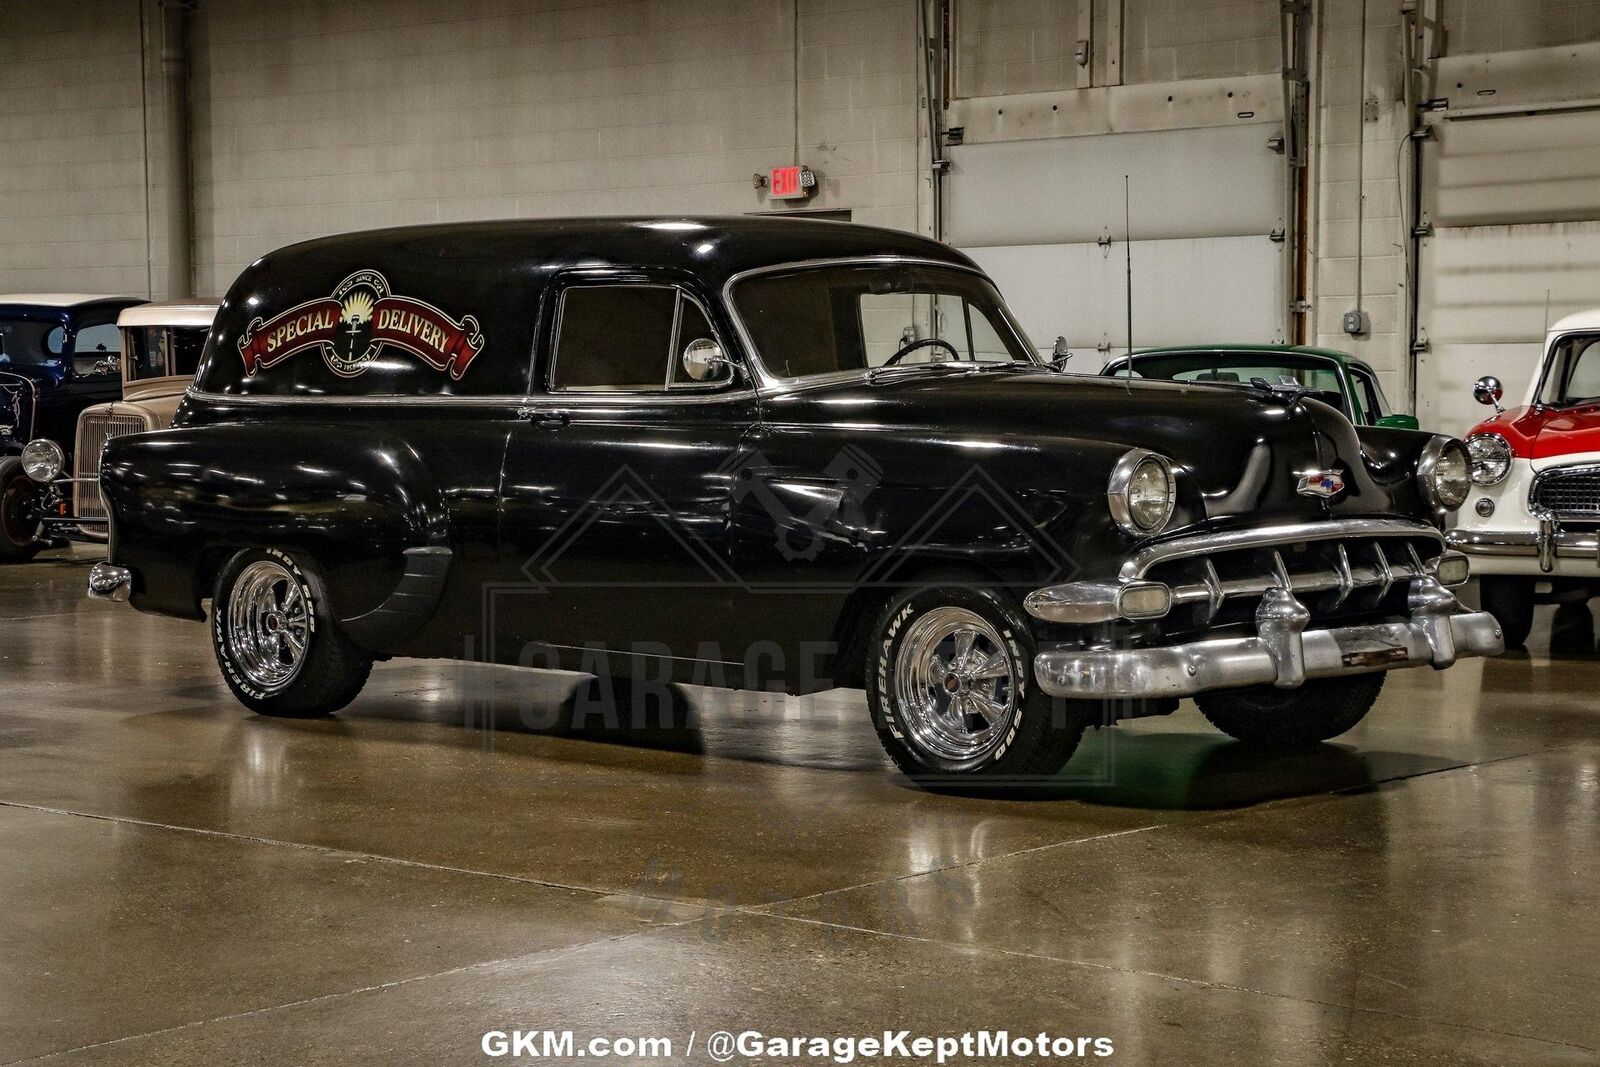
[1571,493]
[94,431]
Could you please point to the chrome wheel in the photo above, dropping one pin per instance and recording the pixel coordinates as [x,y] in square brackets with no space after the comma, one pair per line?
[954,686]
[269,625]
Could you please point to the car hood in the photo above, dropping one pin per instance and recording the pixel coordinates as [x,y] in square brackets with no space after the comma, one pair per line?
[1241,453]
[1541,432]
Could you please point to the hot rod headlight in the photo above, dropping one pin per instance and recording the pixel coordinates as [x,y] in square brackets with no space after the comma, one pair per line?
[1491,458]
[43,460]
[1445,473]
[1142,492]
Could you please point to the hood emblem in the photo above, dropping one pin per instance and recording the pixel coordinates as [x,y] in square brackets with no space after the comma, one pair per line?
[1323,484]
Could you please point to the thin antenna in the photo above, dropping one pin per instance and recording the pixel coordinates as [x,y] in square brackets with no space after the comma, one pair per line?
[1546,317]
[1127,253]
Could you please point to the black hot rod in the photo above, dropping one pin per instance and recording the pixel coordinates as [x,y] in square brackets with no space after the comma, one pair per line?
[768,453]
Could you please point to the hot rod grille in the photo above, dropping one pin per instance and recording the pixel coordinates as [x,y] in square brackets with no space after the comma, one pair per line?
[93,433]
[1569,492]
[1334,578]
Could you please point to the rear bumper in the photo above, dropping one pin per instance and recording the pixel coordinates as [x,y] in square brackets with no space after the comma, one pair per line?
[1283,653]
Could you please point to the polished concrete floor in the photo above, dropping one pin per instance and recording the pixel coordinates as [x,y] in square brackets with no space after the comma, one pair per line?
[182,883]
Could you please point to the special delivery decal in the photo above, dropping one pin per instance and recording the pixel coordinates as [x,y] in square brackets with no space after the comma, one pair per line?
[355,323]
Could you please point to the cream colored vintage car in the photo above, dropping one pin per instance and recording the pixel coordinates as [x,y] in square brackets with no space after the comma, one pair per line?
[161,346]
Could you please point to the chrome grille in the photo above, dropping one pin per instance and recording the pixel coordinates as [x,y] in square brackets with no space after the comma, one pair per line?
[1334,577]
[1569,492]
[94,430]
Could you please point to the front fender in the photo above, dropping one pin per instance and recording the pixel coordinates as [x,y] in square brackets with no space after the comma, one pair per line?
[359,502]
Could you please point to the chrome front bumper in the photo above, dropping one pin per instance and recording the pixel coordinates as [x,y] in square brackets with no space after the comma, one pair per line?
[1548,545]
[109,582]
[1283,653]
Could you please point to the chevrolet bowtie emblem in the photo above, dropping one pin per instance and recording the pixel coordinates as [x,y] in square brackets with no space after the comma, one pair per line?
[1324,484]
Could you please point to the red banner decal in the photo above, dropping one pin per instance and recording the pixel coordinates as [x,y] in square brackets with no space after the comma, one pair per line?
[427,332]
[266,343]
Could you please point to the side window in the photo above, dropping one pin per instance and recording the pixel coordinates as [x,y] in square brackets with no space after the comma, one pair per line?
[614,337]
[96,350]
[632,338]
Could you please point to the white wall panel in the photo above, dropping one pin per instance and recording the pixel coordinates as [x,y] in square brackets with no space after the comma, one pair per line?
[1184,183]
[1513,168]
[1192,290]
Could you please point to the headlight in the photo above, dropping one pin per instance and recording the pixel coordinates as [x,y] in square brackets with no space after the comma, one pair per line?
[43,460]
[1491,458]
[1142,492]
[1445,473]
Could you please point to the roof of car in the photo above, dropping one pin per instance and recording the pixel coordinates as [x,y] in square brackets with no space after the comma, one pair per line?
[66,300]
[1296,350]
[1582,320]
[711,247]
[168,315]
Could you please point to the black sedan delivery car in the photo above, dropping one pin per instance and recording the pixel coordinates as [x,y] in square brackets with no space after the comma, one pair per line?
[768,453]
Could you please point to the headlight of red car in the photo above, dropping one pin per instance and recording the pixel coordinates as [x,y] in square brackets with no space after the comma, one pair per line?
[1491,458]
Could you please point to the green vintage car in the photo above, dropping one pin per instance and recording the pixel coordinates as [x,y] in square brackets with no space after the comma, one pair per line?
[1333,377]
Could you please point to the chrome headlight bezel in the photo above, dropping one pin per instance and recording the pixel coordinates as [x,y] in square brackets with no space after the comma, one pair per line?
[42,460]
[1490,454]
[1126,512]
[1445,460]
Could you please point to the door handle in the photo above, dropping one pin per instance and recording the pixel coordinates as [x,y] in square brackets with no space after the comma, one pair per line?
[543,417]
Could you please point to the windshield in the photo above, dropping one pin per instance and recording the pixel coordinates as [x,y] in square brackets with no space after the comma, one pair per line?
[1573,373]
[31,342]
[164,351]
[1320,376]
[824,320]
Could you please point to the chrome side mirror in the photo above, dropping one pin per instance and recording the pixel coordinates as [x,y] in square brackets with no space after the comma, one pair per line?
[701,359]
[1487,390]
[1060,351]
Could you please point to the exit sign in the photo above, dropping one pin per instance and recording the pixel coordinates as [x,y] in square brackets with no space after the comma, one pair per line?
[791,183]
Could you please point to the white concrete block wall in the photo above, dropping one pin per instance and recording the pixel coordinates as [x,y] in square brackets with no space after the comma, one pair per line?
[324,115]
[72,189]
[1360,240]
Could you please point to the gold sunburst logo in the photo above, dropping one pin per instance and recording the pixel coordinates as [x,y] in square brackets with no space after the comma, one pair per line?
[357,308]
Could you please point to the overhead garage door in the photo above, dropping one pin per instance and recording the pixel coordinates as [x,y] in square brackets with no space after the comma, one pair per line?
[1514,201]
[1045,218]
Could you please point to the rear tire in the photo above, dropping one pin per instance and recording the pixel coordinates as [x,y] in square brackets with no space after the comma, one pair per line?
[279,647]
[950,686]
[1320,709]
[19,537]
[1510,600]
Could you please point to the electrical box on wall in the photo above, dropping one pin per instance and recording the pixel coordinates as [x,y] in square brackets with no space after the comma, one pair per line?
[1355,323]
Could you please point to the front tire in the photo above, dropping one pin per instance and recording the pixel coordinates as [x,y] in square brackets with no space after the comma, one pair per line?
[1320,709]
[19,527]
[952,694]
[279,647]
[1510,600]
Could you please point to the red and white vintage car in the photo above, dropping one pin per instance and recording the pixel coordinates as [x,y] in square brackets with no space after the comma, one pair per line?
[1532,523]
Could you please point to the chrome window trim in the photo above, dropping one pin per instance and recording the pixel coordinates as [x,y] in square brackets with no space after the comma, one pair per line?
[1140,563]
[770,382]
[1547,363]
[602,281]
[540,400]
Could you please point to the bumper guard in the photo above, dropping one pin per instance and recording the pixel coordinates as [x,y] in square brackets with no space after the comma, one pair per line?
[1283,653]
